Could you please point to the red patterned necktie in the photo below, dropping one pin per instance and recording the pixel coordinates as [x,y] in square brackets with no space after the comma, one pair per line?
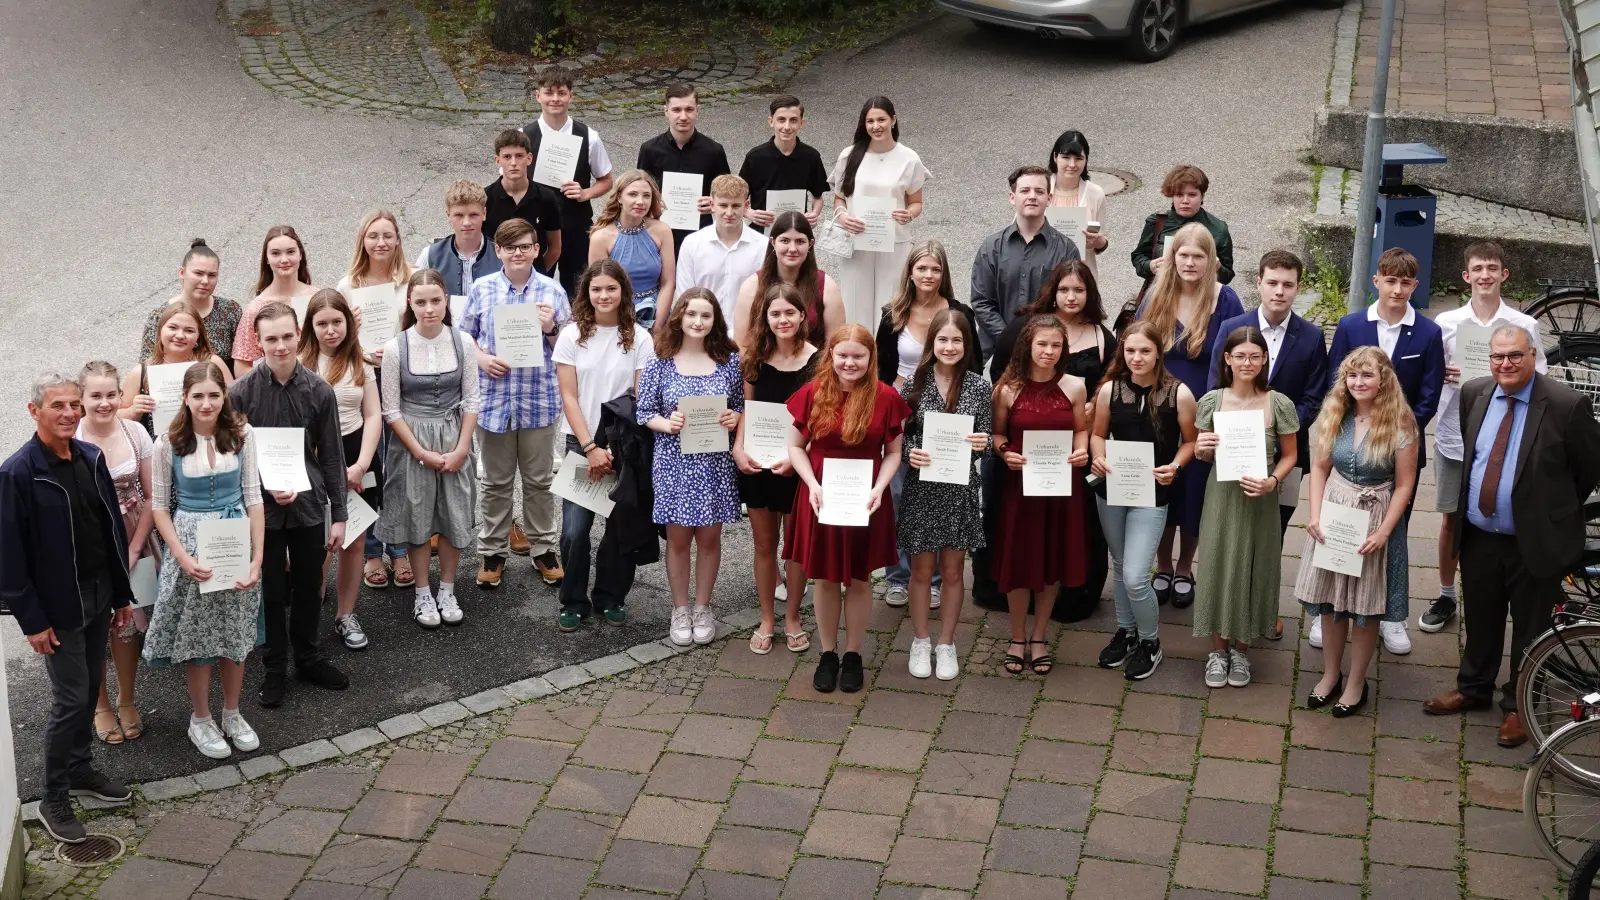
[1497,461]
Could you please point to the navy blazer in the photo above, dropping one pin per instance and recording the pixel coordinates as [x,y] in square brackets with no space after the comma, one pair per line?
[1300,373]
[1418,362]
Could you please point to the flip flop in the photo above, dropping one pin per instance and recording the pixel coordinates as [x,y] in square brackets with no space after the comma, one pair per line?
[798,642]
[760,644]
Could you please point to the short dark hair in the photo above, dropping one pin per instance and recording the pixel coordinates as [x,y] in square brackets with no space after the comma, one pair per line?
[512,230]
[1281,259]
[511,137]
[1397,263]
[784,101]
[1488,251]
[272,312]
[1025,171]
[681,89]
[1070,143]
[556,76]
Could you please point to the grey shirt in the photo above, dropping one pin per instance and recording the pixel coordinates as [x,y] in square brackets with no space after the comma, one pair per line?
[1007,272]
[304,401]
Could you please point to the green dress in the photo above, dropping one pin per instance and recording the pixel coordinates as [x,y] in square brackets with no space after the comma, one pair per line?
[1241,544]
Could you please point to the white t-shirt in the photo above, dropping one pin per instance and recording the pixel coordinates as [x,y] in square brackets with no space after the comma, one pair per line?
[893,175]
[1447,424]
[605,370]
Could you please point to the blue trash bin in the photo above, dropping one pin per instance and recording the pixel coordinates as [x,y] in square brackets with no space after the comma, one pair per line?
[1406,214]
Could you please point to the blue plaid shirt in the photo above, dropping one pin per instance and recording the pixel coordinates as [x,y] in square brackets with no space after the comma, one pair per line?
[526,397]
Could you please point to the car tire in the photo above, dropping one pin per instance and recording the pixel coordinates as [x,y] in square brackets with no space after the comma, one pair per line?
[1156,28]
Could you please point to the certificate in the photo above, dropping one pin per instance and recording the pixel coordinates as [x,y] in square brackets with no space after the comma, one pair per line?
[702,433]
[1132,480]
[944,437]
[281,459]
[787,201]
[1472,351]
[223,546]
[846,487]
[1241,444]
[458,305]
[680,191]
[144,578]
[518,335]
[358,518]
[766,432]
[558,159]
[1166,244]
[380,314]
[166,389]
[1344,529]
[1046,473]
[572,483]
[877,213]
[1070,221]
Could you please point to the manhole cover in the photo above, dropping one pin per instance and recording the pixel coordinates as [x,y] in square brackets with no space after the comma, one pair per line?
[1113,181]
[98,850]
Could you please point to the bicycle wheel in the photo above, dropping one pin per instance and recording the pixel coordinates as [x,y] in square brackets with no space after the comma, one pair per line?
[1560,666]
[1583,876]
[1572,311]
[1562,810]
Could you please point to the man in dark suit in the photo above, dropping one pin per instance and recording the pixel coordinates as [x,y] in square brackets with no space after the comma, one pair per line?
[1532,455]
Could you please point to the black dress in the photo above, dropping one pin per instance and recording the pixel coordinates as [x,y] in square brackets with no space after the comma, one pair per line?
[764,490]
[1074,604]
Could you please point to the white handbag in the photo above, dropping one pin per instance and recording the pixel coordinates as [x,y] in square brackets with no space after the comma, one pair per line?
[834,240]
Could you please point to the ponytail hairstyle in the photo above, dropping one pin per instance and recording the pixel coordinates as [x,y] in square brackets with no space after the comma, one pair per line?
[830,400]
[858,146]
[761,342]
[229,436]
[199,247]
[98,368]
[421,278]
[922,378]
[345,358]
[265,276]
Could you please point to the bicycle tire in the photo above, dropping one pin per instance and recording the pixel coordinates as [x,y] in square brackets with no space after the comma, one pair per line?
[1583,874]
[1572,311]
[1540,705]
[1568,793]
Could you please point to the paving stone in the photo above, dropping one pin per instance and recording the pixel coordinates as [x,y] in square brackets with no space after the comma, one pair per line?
[486,701]
[737,697]
[420,772]
[1494,787]
[1417,759]
[1060,762]
[1073,722]
[808,721]
[1048,805]
[895,709]
[1499,831]
[1242,740]
[568,833]
[948,864]
[885,748]
[1234,869]
[324,788]
[1161,713]
[772,806]
[1324,813]
[705,884]
[1415,844]
[595,790]
[722,736]
[1228,779]
[361,739]
[647,866]
[694,777]
[1142,795]
[1184,677]
[401,726]
[1317,856]
[737,659]
[830,879]
[851,835]
[651,652]
[469,849]
[427,884]
[1323,732]
[1100,879]
[979,732]
[529,876]
[535,688]
[1323,770]
[1225,822]
[211,779]
[799,686]
[363,861]
[255,876]
[169,789]
[790,762]
[1085,684]
[1035,851]
[1131,839]
[1295,889]
[1407,720]
[568,677]
[298,832]
[1395,883]
[968,774]
[566,726]
[390,814]
[987,694]
[670,820]
[752,851]
[649,712]
[609,666]
[1509,877]
[908,892]
[1261,703]
[1418,801]
[325,890]
[517,759]
[1158,754]
[309,754]
[627,749]
[252,768]
[1016,886]
[952,817]
[494,802]
[139,878]
[202,840]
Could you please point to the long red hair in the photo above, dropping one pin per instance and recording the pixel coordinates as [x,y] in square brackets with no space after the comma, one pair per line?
[830,396]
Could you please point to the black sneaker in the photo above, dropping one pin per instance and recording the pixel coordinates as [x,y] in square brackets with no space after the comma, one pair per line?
[323,674]
[58,819]
[1438,615]
[1116,652]
[851,676]
[273,687]
[102,787]
[827,677]
[1143,660]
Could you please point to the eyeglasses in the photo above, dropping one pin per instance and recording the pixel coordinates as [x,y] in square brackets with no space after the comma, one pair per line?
[1247,358]
[1500,359]
[520,249]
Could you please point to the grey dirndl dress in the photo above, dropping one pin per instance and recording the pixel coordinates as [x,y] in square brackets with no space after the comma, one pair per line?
[419,502]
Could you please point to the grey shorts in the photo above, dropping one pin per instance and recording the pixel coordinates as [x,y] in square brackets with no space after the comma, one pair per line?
[1447,483]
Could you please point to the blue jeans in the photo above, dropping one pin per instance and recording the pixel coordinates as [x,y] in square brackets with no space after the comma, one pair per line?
[371,547]
[899,574]
[1133,534]
[614,571]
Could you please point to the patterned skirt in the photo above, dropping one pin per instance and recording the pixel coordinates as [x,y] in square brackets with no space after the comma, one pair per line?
[1383,585]
[187,626]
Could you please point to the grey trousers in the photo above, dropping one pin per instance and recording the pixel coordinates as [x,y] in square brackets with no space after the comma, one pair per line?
[75,672]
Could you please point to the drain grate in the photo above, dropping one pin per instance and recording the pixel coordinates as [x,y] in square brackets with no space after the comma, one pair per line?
[98,850]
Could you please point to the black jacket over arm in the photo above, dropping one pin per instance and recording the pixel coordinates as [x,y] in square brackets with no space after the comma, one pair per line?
[888,341]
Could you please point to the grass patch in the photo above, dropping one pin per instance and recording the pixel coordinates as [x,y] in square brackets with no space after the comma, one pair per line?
[1331,284]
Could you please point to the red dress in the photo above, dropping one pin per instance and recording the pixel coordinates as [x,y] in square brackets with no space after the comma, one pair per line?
[835,553]
[1040,541]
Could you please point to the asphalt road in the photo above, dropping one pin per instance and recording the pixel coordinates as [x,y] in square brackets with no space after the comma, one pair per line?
[127,127]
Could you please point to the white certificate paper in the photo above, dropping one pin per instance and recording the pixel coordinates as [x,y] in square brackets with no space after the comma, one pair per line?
[1344,528]
[877,213]
[380,314]
[1070,221]
[1046,473]
[944,437]
[223,546]
[1472,351]
[572,483]
[702,433]
[558,159]
[358,517]
[1132,480]
[518,335]
[144,578]
[846,486]
[281,458]
[766,432]
[166,389]
[787,201]
[680,191]
[1241,444]
[458,305]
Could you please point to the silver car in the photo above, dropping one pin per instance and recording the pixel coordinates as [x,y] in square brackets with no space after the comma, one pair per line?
[1148,29]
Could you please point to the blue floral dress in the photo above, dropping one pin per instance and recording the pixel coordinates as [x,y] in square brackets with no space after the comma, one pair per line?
[701,488]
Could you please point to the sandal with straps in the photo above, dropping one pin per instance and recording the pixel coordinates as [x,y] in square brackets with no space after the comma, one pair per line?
[760,644]
[797,641]
[403,577]
[112,735]
[376,574]
[1014,664]
[1041,665]
[132,727]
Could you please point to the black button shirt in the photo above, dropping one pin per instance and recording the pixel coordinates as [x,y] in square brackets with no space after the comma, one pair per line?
[766,168]
[304,401]
[701,156]
[540,206]
[89,523]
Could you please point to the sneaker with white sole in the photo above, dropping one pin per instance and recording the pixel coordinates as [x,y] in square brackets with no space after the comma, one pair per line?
[1143,659]
[681,631]
[1239,670]
[705,628]
[239,731]
[1395,639]
[1217,669]
[896,596]
[1438,615]
[933,597]
[946,665]
[426,611]
[208,739]
[450,608]
[1314,637]
[921,665]
[349,629]
[781,592]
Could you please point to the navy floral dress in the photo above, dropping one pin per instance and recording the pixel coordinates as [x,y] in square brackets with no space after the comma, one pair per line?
[701,488]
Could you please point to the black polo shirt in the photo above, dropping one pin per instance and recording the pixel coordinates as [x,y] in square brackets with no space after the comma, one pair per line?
[540,206]
[89,523]
[701,156]
[766,168]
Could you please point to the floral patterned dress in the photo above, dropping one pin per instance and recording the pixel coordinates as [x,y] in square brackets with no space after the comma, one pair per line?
[698,488]
[934,515]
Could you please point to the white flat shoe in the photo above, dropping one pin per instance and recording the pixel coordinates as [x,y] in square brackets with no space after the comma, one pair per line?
[239,731]
[208,739]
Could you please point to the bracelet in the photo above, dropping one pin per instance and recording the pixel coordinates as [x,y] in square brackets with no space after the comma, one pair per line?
[586,448]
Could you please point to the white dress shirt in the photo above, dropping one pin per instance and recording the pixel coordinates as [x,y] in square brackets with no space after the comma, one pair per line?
[1447,425]
[705,261]
[1274,335]
[1389,335]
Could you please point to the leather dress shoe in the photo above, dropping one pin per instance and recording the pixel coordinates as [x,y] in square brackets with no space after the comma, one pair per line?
[1452,702]
[1511,734]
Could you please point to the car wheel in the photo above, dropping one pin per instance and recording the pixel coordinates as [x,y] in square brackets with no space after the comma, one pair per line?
[1156,28]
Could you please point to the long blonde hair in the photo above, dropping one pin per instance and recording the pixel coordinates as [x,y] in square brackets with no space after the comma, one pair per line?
[1162,307]
[611,213]
[900,307]
[399,269]
[1392,425]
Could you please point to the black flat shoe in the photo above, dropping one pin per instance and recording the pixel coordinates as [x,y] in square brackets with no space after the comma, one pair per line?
[1313,701]
[827,677]
[1163,594]
[1341,711]
[851,675]
[1182,599]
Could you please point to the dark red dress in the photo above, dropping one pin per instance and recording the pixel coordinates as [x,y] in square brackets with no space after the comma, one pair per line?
[837,553]
[1040,541]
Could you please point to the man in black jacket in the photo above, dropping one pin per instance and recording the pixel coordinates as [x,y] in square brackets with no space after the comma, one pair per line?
[64,575]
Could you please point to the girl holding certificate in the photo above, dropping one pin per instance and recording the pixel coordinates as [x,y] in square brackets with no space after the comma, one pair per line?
[791,260]
[328,346]
[285,277]
[198,274]
[1140,401]
[204,472]
[127,450]
[694,488]
[1039,540]
[1069,168]
[1188,305]
[776,362]
[1237,595]
[429,392]
[874,172]
[1365,458]
[844,415]
[940,521]
[180,338]
[631,232]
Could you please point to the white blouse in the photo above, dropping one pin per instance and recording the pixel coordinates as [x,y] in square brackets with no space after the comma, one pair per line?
[199,465]
[348,394]
[892,174]
[429,356]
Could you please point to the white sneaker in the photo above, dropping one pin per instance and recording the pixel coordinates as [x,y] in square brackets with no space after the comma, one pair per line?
[1395,639]
[1239,670]
[208,739]
[921,657]
[681,632]
[426,611]
[781,592]
[896,596]
[705,629]
[946,665]
[239,731]
[933,599]
[450,608]
[1315,635]
[1217,669]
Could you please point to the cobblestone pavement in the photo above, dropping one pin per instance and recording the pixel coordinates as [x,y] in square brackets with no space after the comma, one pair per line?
[1339,194]
[721,774]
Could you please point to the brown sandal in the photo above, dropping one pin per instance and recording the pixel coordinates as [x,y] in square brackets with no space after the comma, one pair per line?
[376,573]
[112,735]
[403,577]
[132,727]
